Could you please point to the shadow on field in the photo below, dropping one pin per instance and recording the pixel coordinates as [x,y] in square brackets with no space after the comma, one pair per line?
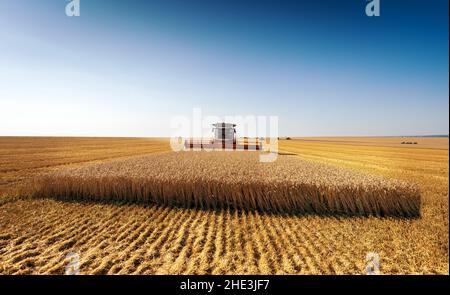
[340,215]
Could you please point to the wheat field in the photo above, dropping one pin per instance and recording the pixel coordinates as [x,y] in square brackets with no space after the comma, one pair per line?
[22,158]
[236,180]
[128,238]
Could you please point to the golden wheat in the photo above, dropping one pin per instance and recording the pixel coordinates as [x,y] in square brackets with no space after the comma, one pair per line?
[22,158]
[36,235]
[235,180]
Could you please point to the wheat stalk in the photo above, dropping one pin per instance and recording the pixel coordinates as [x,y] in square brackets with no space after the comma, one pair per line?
[235,180]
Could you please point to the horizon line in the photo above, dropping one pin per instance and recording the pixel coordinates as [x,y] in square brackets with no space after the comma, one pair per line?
[283,136]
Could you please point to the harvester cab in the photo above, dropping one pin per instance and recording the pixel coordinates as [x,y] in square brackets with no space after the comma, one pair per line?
[224,133]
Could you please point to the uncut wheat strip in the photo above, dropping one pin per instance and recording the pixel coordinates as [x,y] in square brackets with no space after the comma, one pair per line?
[118,189]
[116,194]
[236,180]
[280,199]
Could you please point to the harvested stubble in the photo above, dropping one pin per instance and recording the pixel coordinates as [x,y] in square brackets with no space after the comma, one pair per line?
[235,180]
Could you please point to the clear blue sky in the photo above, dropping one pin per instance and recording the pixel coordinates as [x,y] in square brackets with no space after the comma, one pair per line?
[124,68]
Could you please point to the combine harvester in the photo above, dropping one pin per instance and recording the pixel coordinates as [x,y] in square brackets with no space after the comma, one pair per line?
[224,139]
